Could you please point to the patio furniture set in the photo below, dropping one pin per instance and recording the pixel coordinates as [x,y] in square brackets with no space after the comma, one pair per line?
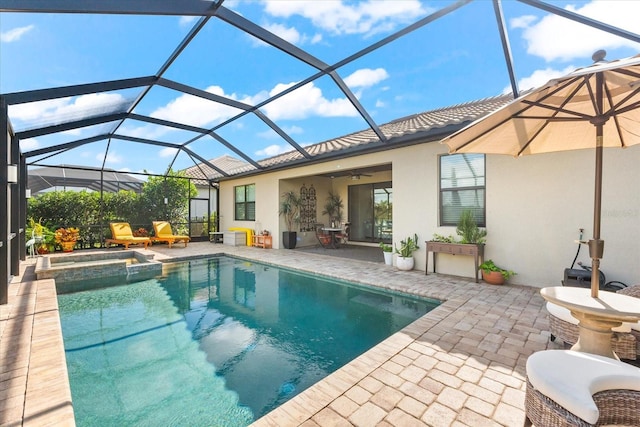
[121,234]
[587,385]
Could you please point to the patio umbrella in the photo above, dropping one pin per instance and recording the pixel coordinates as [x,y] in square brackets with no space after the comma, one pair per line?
[592,107]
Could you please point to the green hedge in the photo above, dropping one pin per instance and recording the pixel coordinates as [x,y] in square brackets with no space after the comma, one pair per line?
[92,212]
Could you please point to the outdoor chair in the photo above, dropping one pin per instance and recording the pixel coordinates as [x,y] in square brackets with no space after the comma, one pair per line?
[164,233]
[323,237]
[343,236]
[569,388]
[121,234]
[633,291]
[625,341]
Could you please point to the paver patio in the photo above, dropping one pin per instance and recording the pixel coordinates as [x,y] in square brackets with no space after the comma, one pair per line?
[462,364]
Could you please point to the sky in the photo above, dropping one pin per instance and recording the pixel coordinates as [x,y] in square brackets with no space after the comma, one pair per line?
[455,59]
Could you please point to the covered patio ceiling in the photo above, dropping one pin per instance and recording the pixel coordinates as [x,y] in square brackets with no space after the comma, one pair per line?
[140,95]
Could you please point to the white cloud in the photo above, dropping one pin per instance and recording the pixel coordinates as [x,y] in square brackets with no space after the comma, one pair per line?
[293,130]
[289,34]
[273,150]
[29,144]
[522,21]
[61,110]
[186,21]
[557,38]
[539,78]
[15,34]
[339,17]
[380,104]
[112,158]
[72,132]
[305,102]
[366,77]
[168,152]
[201,112]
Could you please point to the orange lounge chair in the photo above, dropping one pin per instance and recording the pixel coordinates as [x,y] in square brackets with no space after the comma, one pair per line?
[121,234]
[163,233]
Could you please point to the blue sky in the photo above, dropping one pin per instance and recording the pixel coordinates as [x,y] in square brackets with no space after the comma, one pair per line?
[456,59]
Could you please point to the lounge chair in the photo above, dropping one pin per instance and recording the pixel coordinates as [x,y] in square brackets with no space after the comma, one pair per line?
[121,234]
[163,233]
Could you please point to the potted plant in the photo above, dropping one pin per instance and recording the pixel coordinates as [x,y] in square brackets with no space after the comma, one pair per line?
[141,232]
[468,229]
[493,274]
[67,238]
[333,208]
[290,209]
[387,251]
[405,254]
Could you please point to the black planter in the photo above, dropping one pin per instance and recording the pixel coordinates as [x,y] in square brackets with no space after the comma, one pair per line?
[289,239]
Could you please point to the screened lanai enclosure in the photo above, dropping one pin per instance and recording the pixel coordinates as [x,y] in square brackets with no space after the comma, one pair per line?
[215,90]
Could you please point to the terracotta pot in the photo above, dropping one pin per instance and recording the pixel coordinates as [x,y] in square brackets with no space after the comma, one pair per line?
[493,277]
[67,246]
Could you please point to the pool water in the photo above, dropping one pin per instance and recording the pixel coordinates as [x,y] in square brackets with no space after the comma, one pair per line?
[216,342]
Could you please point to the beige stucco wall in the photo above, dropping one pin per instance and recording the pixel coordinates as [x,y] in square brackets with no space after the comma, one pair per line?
[535,206]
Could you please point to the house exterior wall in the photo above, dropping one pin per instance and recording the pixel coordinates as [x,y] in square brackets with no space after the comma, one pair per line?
[535,206]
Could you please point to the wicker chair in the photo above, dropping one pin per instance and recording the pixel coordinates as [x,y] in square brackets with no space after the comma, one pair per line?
[625,341]
[634,291]
[599,390]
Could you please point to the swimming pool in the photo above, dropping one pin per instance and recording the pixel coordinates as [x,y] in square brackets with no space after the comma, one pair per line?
[217,341]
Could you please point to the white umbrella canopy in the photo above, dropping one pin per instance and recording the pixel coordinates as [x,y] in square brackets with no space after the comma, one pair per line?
[590,108]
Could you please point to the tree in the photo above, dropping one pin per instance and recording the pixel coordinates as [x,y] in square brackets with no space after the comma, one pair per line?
[176,189]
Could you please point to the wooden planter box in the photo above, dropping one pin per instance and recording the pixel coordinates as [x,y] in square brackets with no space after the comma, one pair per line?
[470,249]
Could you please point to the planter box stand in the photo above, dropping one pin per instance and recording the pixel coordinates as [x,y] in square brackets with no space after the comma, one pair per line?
[477,251]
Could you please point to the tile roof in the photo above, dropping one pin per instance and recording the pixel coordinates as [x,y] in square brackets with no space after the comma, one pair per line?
[421,127]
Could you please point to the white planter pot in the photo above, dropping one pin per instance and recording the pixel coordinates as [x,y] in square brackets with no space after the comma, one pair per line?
[388,257]
[404,263]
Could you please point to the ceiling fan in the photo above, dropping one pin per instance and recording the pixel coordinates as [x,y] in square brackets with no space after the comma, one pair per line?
[356,175]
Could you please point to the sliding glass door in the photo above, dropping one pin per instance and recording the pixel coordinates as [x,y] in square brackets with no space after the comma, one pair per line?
[370,212]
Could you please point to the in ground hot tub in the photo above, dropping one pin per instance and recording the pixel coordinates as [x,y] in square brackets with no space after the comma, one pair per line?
[130,265]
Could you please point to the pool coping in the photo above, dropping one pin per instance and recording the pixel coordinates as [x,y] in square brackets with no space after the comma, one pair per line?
[358,391]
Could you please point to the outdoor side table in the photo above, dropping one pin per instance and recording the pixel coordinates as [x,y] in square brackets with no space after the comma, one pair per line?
[474,250]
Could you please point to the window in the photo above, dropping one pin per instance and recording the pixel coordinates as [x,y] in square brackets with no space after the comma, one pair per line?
[462,187]
[245,202]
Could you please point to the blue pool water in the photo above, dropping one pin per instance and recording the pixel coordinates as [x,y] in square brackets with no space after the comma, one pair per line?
[216,342]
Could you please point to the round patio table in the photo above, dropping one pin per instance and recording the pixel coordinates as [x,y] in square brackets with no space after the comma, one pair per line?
[596,316]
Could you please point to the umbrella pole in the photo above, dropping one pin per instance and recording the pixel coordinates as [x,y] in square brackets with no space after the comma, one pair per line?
[596,246]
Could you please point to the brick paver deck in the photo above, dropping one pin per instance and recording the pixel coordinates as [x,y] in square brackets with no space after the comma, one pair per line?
[462,364]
